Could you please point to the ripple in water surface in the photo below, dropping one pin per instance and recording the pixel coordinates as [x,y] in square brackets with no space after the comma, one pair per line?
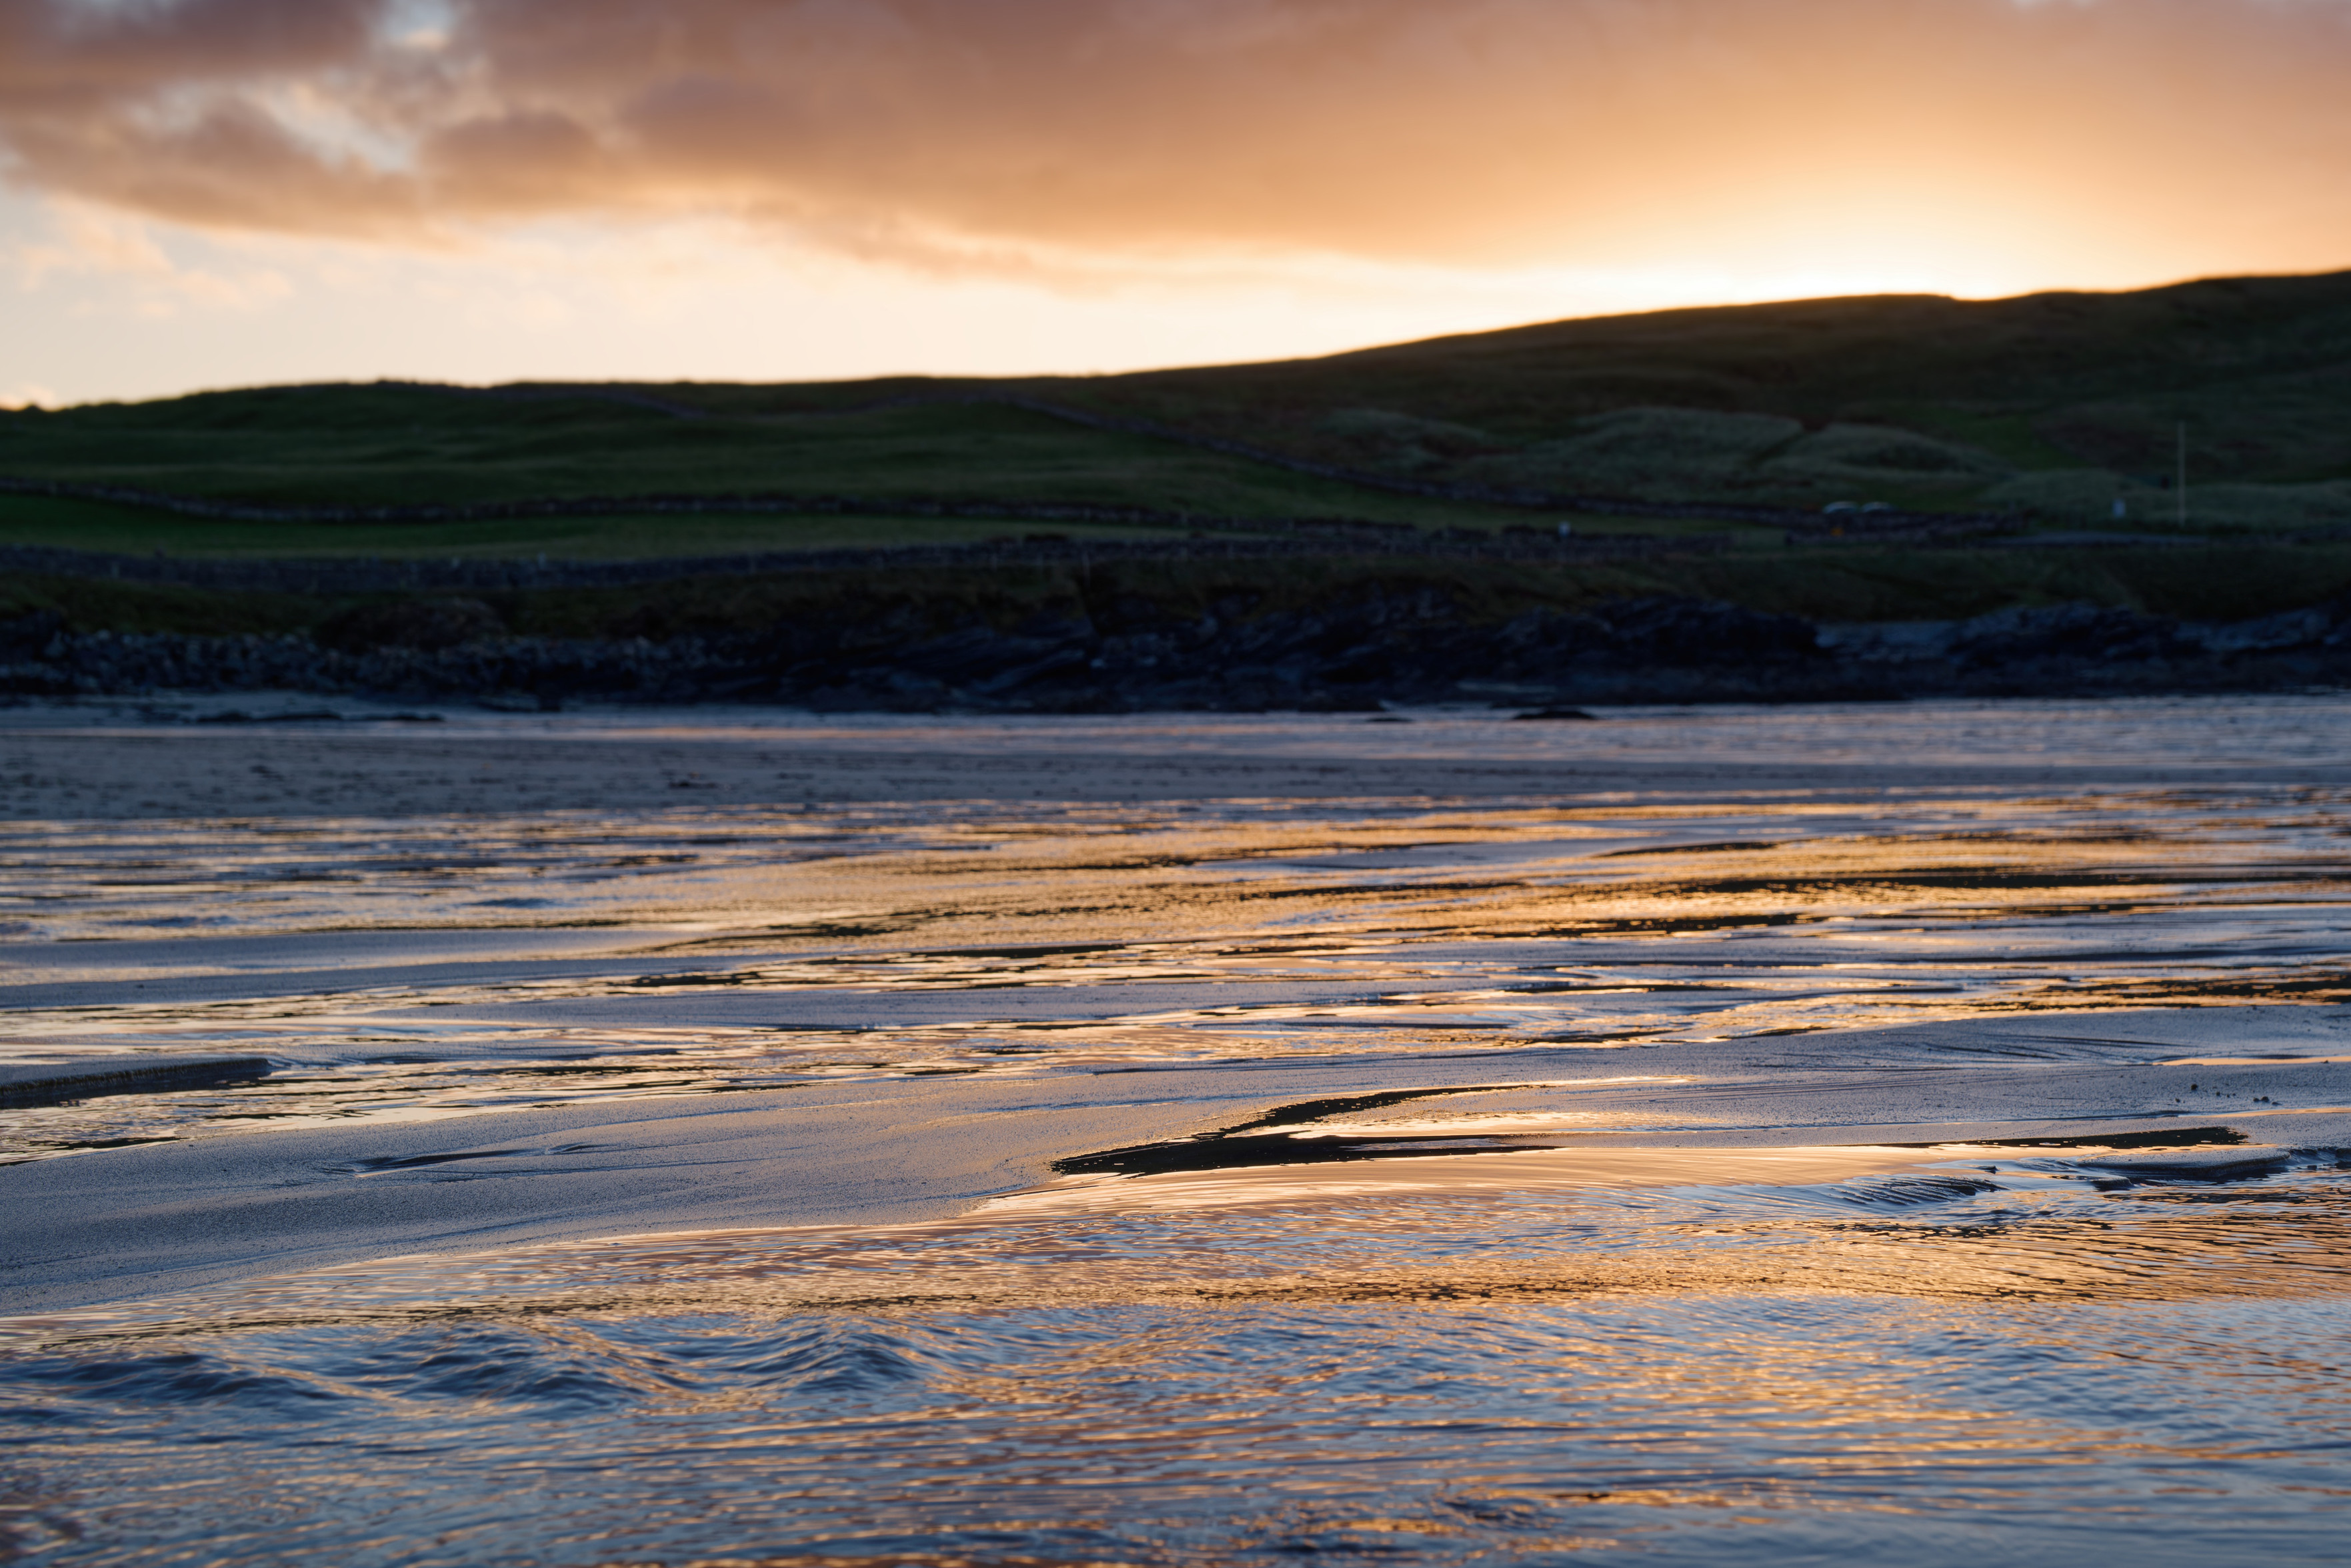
[1700,1173]
[1943,1367]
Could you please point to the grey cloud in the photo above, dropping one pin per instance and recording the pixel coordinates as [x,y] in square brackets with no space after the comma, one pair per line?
[1397,129]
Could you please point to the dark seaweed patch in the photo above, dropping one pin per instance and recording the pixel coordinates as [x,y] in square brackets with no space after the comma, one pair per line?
[1223,1153]
[728,977]
[2166,1138]
[1727,845]
[132,1078]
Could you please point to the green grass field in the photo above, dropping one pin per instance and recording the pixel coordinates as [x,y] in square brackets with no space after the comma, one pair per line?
[2259,369]
[2056,407]
[382,446]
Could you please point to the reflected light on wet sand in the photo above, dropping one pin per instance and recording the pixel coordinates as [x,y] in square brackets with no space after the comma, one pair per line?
[1445,1143]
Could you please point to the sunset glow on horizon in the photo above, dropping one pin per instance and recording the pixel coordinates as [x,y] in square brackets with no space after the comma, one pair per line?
[206,193]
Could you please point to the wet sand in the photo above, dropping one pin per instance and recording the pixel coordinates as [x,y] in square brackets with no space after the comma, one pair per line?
[1913,1133]
[102,772]
[129,1223]
[890,1149]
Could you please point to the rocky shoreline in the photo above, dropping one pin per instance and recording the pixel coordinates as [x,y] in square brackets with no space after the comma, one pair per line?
[1374,650]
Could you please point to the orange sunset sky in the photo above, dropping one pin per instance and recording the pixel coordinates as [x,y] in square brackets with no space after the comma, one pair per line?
[204,193]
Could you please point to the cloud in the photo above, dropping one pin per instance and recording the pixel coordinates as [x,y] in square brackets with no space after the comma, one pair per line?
[995,134]
[81,241]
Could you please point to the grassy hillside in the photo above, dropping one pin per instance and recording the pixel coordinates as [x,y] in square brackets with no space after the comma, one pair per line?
[2056,405]
[390,444]
[2260,370]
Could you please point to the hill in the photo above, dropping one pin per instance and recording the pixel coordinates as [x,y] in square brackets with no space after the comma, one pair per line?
[1364,529]
[2049,407]
[2056,403]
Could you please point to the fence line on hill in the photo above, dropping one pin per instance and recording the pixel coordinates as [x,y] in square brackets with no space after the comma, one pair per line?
[778,503]
[373,575]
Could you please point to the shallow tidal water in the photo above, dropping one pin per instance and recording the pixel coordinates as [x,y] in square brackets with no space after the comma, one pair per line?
[1706,1168]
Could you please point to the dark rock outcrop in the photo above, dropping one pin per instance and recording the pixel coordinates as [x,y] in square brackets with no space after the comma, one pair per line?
[432,624]
[1412,645]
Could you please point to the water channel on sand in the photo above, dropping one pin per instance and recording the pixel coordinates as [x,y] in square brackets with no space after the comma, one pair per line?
[1698,1135]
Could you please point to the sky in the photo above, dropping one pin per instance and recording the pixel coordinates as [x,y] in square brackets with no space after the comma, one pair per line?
[218,192]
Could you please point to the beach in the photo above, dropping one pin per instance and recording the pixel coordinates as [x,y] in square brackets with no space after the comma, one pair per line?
[830,1071]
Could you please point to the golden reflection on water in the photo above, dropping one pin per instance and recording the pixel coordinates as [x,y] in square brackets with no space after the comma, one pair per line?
[1551,1348]
[1952,1226]
[1057,874]
[1260,929]
[1507,1374]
